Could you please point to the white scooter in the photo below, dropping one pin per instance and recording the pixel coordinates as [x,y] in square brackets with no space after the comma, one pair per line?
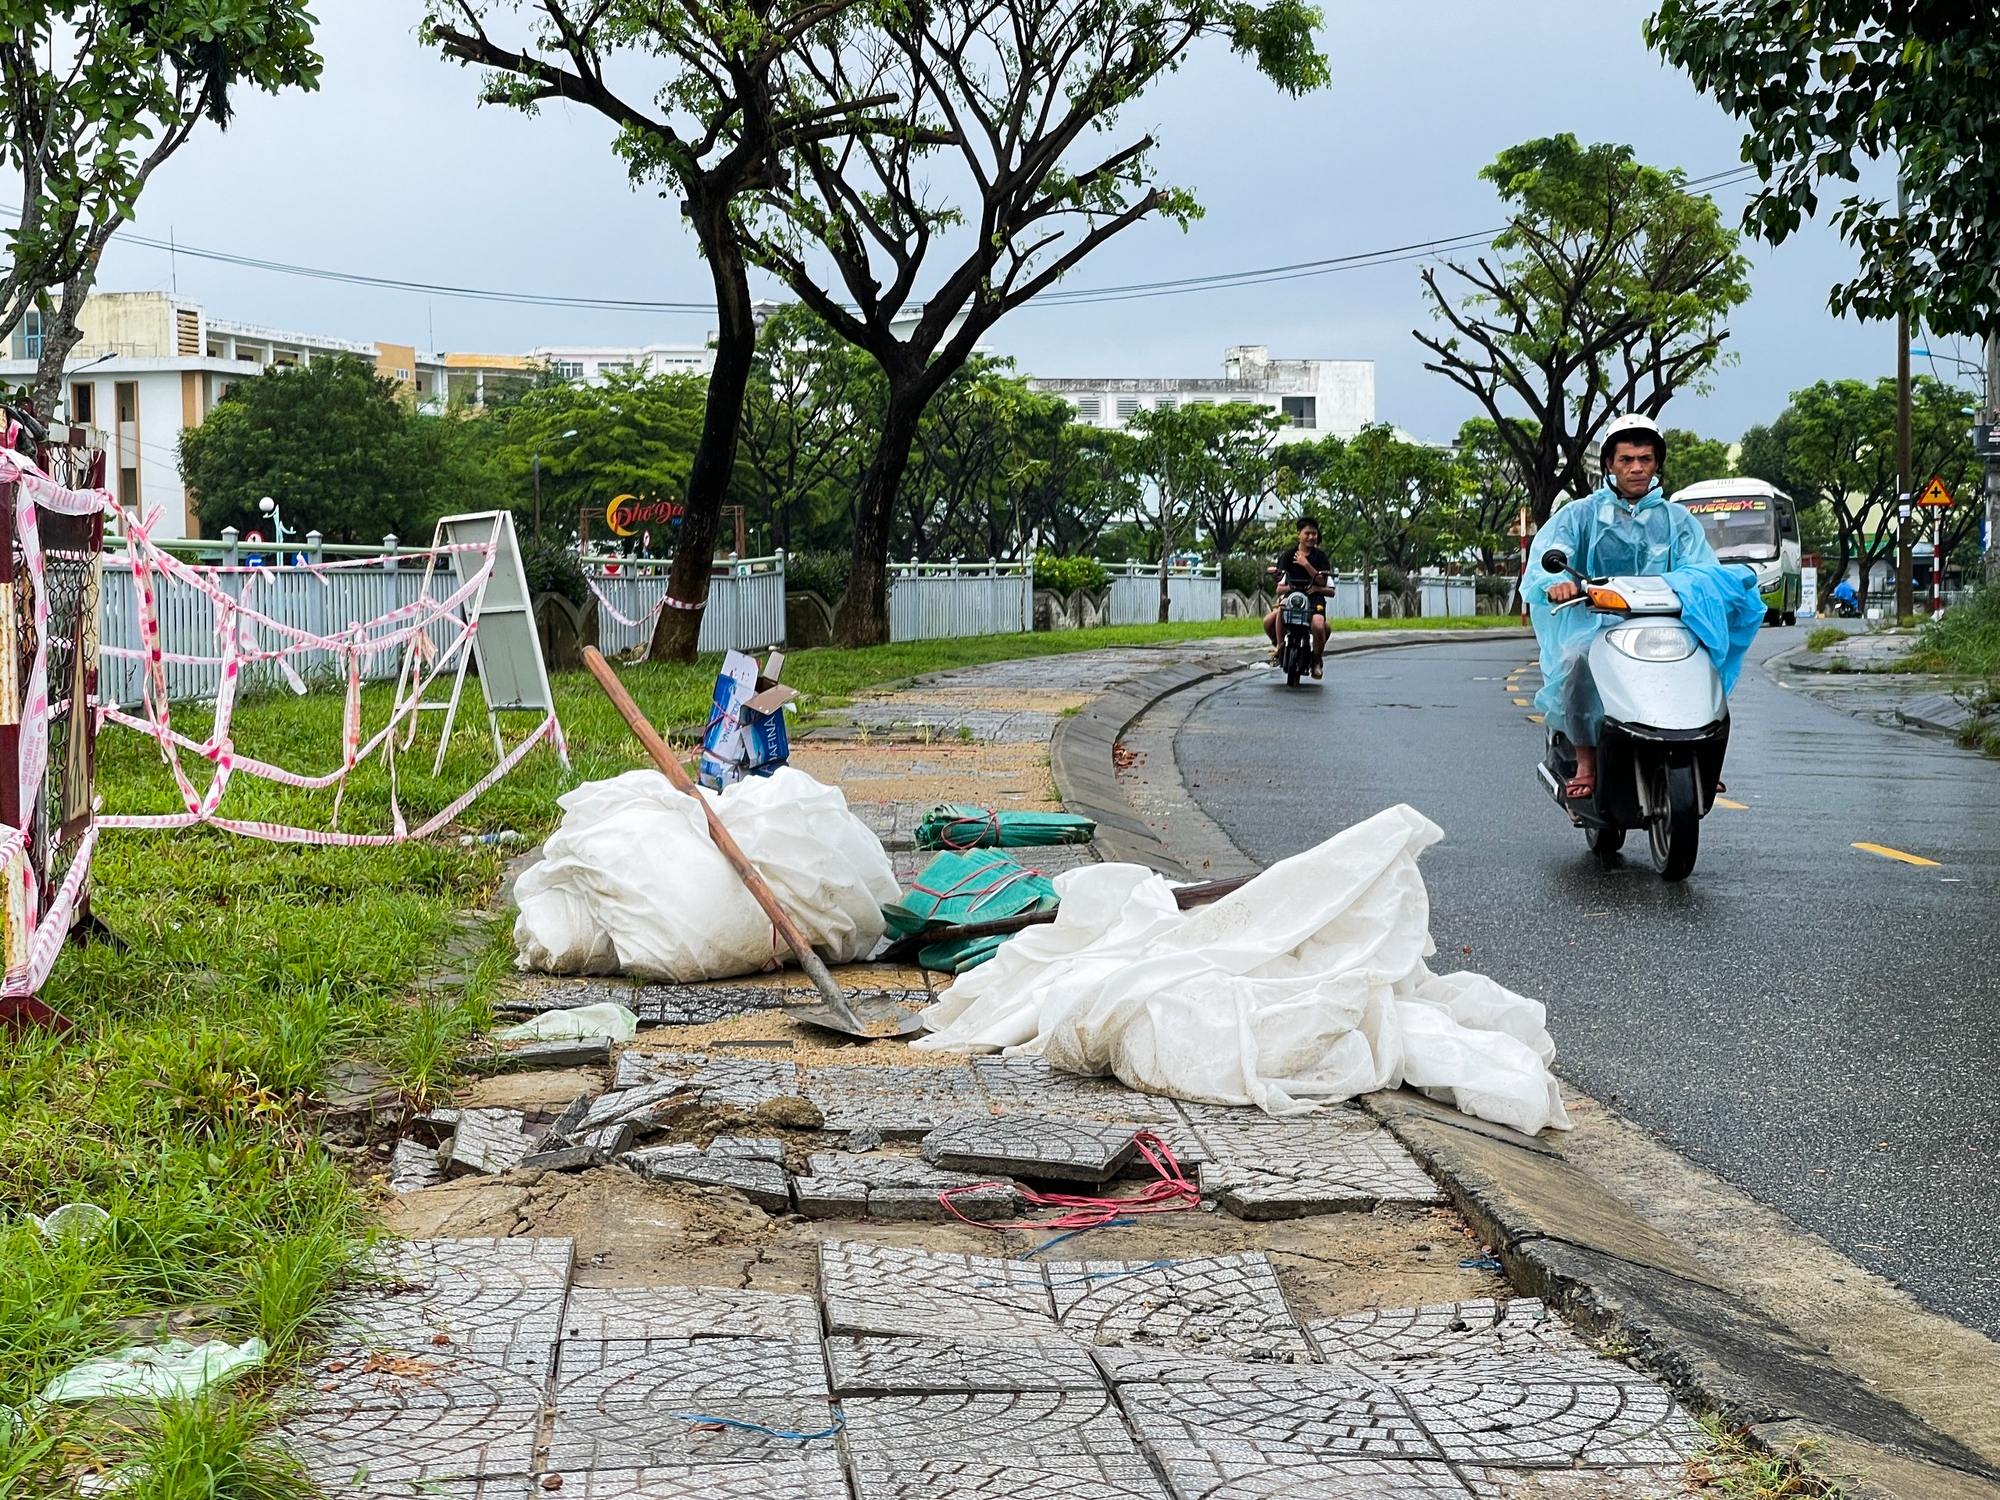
[1666,724]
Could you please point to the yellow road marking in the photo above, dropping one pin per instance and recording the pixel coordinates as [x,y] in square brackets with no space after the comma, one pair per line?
[1534,718]
[1520,703]
[1726,802]
[1887,853]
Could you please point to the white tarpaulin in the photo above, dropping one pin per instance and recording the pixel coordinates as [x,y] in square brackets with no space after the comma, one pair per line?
[1306,985]
[632,884]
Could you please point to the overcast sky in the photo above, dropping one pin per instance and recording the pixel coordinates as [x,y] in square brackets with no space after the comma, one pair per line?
[391,169]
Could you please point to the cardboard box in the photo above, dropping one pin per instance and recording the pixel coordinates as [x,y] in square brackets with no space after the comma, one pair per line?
[746,733]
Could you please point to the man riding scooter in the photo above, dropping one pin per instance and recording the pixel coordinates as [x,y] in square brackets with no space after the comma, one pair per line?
[1628,528]
[1304,568]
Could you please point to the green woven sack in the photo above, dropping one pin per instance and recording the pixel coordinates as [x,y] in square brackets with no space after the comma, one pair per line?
[961,826]
[966,953]
[962,886]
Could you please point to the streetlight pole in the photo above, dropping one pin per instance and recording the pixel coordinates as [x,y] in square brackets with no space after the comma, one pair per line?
[1904,479]
[1989,423]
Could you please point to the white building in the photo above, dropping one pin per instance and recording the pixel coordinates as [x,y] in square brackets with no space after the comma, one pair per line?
[596,362]
[1318,396]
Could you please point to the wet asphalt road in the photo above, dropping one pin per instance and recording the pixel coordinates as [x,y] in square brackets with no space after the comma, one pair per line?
[1818,1024]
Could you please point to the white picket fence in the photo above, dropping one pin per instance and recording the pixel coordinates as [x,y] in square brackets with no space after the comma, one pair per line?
[938,601]
[1194,592]
[746,602]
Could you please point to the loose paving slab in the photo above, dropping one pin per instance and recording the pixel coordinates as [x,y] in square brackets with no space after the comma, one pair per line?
[701,1004]
[1308,1409]
[1226,1305]
[1518,1419]
[880,1366]
[1658,1482]
[488,1141]
[813,1476]
[1039,1476]
[1252,1471]
[1028,1145]
[413,1166]
[840,1185]
[760,1180]
[646,1312]
[885,1289]
[902,1103]
[1448,1331]
[1335,1161]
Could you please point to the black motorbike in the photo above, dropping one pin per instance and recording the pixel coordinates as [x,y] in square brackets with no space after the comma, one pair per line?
[1295,635]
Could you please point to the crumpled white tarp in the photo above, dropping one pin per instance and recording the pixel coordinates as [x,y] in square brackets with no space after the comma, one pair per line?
[631,884]
[161,1372]
[1307,985]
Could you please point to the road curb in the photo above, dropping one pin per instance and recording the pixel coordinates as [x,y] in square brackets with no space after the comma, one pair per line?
[1564,1237]
[1081,754]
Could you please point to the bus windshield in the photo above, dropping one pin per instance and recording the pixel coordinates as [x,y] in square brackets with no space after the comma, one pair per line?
[1741,528]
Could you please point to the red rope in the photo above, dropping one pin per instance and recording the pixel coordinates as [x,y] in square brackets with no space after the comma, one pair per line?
[979,825]
[1170,1193]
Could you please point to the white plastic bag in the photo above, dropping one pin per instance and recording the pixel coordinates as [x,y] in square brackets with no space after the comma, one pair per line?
[578,1023]
[1306,985]
[632,884]
[176,1368]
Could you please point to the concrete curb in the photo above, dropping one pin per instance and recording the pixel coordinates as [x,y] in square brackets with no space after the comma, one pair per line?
[1563,1236]
[1081,753]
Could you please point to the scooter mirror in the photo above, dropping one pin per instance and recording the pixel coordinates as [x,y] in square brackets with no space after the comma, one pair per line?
[1555,560]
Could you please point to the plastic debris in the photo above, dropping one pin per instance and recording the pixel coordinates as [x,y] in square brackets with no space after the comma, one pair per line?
[505,838]
[582,1022]
[82,1222]
[163,1372]
[959,826]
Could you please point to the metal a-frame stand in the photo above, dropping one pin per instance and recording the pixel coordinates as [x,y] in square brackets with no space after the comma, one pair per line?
[505,647]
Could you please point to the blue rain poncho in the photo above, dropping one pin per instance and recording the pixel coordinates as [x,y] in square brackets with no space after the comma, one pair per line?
[1605,536]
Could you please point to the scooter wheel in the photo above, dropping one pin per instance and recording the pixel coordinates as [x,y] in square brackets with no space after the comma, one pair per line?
[1291,677]
[1604,842]
[1676,829]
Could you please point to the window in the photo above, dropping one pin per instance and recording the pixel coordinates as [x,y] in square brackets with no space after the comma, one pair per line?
[1128,406]
[1301,410]
[187,331]
[1089,408]
[83,403]
[1201,401]
[28,335]
[569,369]
[1165,403]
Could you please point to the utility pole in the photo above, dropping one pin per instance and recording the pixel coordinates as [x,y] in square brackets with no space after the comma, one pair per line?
[1903,476]
[1986,433]
[537,466]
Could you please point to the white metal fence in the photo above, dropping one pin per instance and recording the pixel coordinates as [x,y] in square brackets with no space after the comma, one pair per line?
[1443,598]
[1194,592]
[936,601]
[746,602]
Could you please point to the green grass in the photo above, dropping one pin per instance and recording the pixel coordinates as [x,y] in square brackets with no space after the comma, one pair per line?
[1825,636]
[1964,641]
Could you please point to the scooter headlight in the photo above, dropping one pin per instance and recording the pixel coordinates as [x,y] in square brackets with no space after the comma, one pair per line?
[1654,642]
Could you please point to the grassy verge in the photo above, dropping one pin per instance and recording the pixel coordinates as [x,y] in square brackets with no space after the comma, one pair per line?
[1965,640]
[179,1102]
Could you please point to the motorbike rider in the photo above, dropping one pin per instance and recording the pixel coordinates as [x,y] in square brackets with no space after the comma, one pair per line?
[1306,568]
[1627,527]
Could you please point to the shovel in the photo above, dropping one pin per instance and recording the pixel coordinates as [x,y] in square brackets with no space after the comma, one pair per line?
[835,1014]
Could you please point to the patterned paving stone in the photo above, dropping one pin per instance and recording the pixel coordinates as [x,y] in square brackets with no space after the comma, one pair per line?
[477,1294]
[899,1102]
[885,1289]
[1027,1085]
[1031,1477]
[934,1366]
[1002,1425]
[1656,1482]
[1227,1305]
[677,1435]
[1248,1471]
[429,1376]
[814,1476]
[657,1312]
[1313,1409]
[488,1140]
[347,1451]
[413,1166]
[535,993]
[1517,1422]
[1448,1331]
[700,1004]
[844,1186]
[762,1182]
[634,1104]
[1333,1162]
[1030,1145]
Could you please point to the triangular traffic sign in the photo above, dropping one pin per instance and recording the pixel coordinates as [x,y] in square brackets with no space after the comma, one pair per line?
[1935,493]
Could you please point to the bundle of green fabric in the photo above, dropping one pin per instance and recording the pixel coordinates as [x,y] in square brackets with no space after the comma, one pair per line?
[960,826]
[962,886]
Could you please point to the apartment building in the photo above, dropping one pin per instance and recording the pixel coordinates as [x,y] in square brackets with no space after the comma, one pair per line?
[1316,396]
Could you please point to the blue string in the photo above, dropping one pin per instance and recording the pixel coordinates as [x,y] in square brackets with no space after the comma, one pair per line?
[1072,1234]
[794,1437]
[1480,1263]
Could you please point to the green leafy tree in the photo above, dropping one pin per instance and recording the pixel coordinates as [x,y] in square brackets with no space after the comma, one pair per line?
[1399,505]
[1822,89]
[1834,448]
[701,111]
[1176,457]
[1494,493]
[96,96]
[1692,459]
[1607,293]
[1015,99]
[339,450]
[805,422]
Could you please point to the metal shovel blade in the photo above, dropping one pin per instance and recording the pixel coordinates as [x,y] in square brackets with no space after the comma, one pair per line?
[869,1010]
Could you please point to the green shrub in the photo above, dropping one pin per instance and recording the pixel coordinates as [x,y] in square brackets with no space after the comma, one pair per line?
[1245,574]
[1068,574]
[1966,638]
[553,569]
[822,573]
[1825,636]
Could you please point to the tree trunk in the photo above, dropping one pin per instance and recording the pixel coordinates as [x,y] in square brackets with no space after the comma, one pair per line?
[1166,549]
[1367,583]
[678,630]
[863,616]
[59,336]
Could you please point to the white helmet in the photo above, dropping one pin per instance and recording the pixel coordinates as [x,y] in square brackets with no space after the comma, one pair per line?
[1634,428]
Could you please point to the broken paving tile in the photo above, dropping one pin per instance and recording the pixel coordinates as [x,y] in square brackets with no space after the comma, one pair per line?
[349,1451]
[1227,1305]
[488,1140]
[661,1312]
[838,1185]
[1449,1332]
[889,1289]
[608,1141]
[1335,1161]
[935,1366]
[815,1475]
[1257,1471]
[901,1476]
[1025,1145]
[625,1106]
[749,1147]
[631,1071]
[700,1004]
[1312,1409]
[584,1052]
[1512,1418]
[993,1424]
[414,1166]
[564,1159]
[762,1182]
[533,994]
[898,1102]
